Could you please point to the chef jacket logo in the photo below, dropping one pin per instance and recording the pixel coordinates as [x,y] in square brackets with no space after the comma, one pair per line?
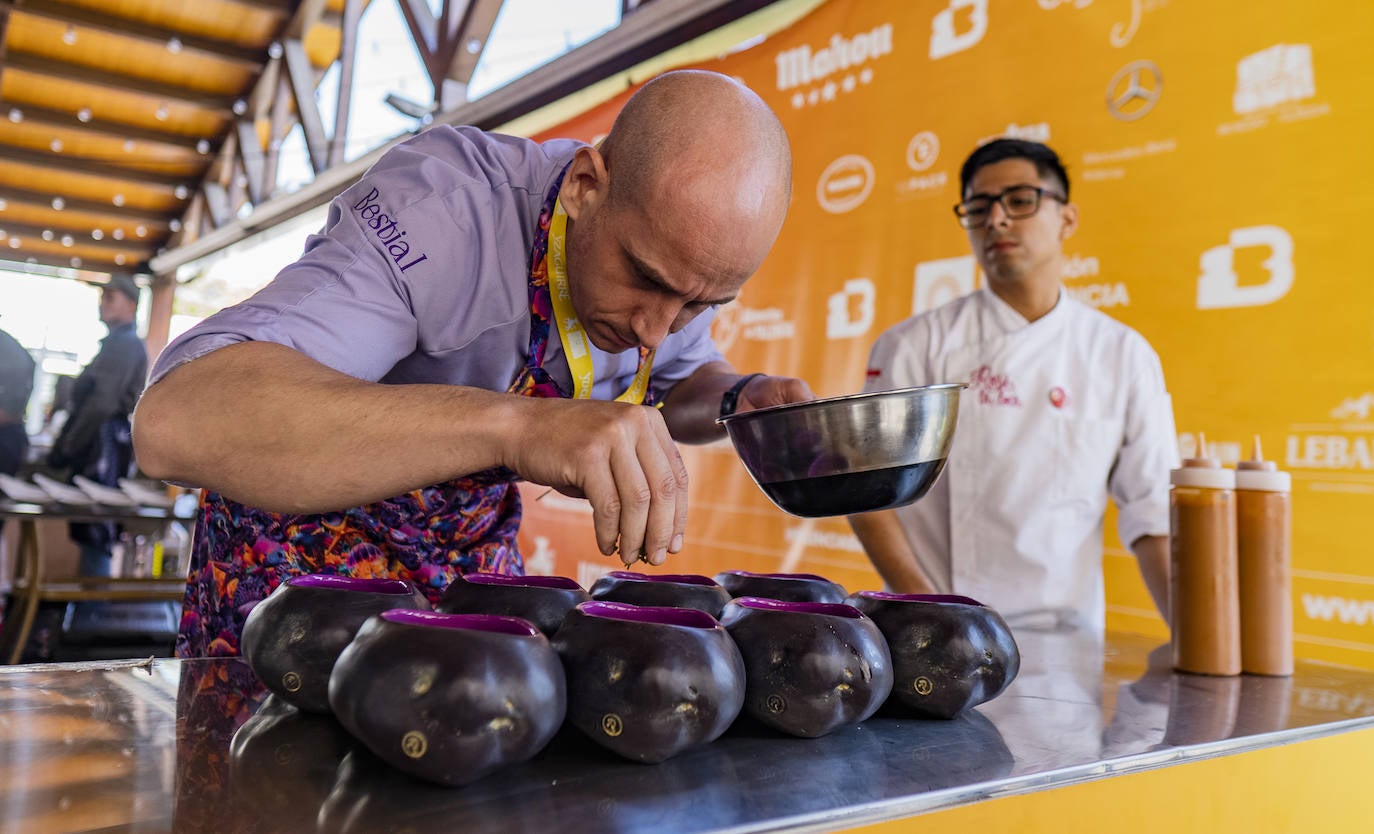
[992,388]
[1134,90]
[940,282]
[388,233]
[945,40]
[1220,287]
[851,310]
[801,65]
[845,184]
[1272,76]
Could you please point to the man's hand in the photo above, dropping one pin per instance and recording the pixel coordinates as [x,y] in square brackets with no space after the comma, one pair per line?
[619,457]
[765,391]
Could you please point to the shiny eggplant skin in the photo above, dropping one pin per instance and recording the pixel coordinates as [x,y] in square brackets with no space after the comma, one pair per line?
[649,682]
[949,653]
[543,600]
[788,587]
[662,590]
[292,638]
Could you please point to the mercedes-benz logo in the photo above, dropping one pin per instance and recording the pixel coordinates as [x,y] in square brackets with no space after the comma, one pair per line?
[1134,90]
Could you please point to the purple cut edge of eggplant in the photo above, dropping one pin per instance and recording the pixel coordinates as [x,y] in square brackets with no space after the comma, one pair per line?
[334,582]
[805,576]
[829,609]
[945,599]
[680,578]
[560,582]
[650,614]
[514,626]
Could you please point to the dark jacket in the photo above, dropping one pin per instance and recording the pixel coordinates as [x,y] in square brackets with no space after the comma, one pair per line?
[107,389]
[16,379]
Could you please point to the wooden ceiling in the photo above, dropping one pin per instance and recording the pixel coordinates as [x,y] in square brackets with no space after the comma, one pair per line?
[114,112]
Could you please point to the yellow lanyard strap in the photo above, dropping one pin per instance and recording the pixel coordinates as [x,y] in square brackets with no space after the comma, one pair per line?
[576,345]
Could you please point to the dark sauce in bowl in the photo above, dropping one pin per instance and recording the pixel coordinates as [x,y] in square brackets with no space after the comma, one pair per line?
[855,492]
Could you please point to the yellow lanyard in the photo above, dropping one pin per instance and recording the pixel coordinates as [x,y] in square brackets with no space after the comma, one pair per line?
[576,346]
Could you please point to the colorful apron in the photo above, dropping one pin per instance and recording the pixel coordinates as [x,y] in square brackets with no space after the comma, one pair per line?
[429,536]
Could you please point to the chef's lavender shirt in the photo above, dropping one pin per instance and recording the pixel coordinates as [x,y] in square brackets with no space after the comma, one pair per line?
[421,275]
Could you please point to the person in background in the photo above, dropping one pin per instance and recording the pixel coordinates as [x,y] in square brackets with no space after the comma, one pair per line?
[95,440]
[1065,406]
[16,386]
[469,316]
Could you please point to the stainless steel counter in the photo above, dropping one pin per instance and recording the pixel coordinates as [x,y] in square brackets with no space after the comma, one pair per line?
[146,747]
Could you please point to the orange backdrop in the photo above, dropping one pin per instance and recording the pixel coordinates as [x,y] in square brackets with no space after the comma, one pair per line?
[1216,152]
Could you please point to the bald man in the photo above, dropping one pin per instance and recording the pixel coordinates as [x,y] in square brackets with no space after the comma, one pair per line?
[477,309]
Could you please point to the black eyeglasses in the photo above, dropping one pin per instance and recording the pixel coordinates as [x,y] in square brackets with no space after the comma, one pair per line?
[1017,201]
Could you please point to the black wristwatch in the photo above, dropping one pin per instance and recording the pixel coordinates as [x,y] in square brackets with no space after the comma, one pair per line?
[731,398]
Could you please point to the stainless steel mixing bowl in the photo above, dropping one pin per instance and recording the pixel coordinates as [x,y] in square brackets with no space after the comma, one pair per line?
[851,454]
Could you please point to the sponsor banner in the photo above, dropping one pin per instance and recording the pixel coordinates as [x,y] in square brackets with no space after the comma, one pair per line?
[1221,201]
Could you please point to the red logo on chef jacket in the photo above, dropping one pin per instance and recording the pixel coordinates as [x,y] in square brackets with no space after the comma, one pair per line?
[992,388]
[1058,397]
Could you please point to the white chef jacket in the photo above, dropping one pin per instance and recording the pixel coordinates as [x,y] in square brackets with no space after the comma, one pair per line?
[1058,414]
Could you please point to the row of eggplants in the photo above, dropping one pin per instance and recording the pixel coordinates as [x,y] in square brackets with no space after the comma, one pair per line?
[647,666]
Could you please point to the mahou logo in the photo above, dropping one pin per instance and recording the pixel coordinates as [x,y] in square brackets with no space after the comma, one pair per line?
[801,65]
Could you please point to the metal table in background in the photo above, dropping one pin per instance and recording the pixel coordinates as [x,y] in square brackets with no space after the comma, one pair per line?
[32,585]
[191,746]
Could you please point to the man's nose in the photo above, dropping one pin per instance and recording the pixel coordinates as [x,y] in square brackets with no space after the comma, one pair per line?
[997,216]
[653,324]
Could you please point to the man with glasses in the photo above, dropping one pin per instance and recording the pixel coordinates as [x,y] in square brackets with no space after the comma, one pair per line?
[1065,406]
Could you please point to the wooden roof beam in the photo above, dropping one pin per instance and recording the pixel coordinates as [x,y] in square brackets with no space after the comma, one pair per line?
[136,30]
[51,68]
[50,117]
[28,230]
[68,162]
[25,196]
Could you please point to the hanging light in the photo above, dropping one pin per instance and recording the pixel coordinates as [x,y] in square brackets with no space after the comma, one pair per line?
[68,240]
[117,234]
[117,199]
[141,231]
[128,146]
[48,235]
[119,259]
[16,115]
[161,113]
[174,225]
[56,145]
[83,115]
[203,146]
[58,203]
[174,45]
[69,36]
[76,262]
[97,234]
[181,192]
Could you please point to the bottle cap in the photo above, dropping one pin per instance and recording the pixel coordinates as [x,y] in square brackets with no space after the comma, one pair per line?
[1202,471]
[1260,474]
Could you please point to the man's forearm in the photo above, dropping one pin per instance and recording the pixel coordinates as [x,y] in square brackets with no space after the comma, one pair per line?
[887,547]
[690,409]
[271,427]
[1152,554]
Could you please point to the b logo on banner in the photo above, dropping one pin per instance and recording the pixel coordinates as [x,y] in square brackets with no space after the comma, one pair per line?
[945,40]
[942,281]
[1220,287]
[859,295]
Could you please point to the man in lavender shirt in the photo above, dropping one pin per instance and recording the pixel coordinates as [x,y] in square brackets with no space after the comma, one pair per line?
[384,360]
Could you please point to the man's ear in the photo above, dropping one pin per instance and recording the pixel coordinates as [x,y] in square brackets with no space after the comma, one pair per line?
[1070,221]
[586,185]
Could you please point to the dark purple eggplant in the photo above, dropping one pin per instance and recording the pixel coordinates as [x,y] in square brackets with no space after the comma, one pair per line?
[649,682]
[788,587]
[449,697]
[543,600]
[949,652]
[671,590]
[809,666]
[292,638]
